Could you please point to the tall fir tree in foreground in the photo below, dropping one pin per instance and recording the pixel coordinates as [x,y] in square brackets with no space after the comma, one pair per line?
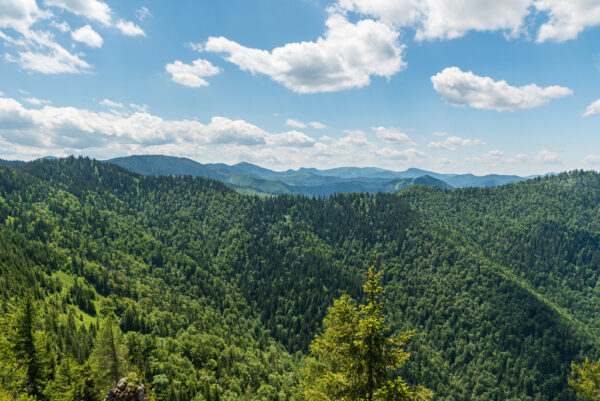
[354,358]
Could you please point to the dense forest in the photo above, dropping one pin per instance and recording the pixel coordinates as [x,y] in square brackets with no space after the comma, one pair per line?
[208,294]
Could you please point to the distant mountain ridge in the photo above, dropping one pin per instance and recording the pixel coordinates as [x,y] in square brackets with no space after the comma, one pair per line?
[248,178]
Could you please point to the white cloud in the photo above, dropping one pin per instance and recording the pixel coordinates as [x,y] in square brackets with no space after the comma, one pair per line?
[548,157]
[39,52]
[128,28]
[142,108]
[142,13]
[460,88]
[445,19]
[567,19]
[592,159]
[192,75]
[592,109]
[36,50]
[317,125]
[91,9]
[407,154]
[449,19]
[110,104]
[19,15]
[492,156]
[345,57]
[1,93]
[88,36]
[295,123]
[518,159]
[291,139]
[35,101]
[392,135]
[63,26]
[440,133]
[453,142]
[72,128]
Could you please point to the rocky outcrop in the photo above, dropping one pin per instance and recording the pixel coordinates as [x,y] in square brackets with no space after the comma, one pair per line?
[127,389]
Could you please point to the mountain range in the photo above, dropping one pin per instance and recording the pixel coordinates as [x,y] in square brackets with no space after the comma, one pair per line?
[250,178]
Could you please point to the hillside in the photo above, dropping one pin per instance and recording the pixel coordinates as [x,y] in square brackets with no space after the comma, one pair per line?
[219,294]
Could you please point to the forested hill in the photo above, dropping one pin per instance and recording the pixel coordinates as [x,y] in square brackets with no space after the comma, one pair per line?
[218,294]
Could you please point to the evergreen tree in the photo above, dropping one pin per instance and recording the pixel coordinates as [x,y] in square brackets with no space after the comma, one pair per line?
[25,346]
[354,359]
[585,380]
[109,355]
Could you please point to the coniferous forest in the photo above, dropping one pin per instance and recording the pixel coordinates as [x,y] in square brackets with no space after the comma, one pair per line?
[207,294]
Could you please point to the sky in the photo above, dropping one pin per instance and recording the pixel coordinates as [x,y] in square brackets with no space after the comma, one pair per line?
[453,86]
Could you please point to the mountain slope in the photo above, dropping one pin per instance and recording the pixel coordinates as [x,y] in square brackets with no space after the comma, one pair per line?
[225,282]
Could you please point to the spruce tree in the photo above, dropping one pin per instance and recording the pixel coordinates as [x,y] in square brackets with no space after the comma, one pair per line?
[109,355]
[25,346]
[354,358]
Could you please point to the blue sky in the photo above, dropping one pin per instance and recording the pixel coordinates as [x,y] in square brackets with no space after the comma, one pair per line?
[475,86]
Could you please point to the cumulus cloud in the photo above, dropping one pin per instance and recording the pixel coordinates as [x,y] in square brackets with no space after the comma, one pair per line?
[88,36]
[460,88]
[548,157]
[567,19]
[317,125]
[30,132]
[192,75]
[444,19]
[19,15]
[73,128]
[346,56]
[37,51]
[449,19]
[592,109]
[91,9]
[295,123]
[110,104]
[453,142]
[128,28]
[392,135]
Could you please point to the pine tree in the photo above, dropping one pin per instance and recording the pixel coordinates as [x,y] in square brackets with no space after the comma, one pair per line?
[109,355]
[25,346]
[354,359]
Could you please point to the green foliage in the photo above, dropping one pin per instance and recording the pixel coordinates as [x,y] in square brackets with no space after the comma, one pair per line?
[219,294]
[585,379]
[109,355]
[353,358]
